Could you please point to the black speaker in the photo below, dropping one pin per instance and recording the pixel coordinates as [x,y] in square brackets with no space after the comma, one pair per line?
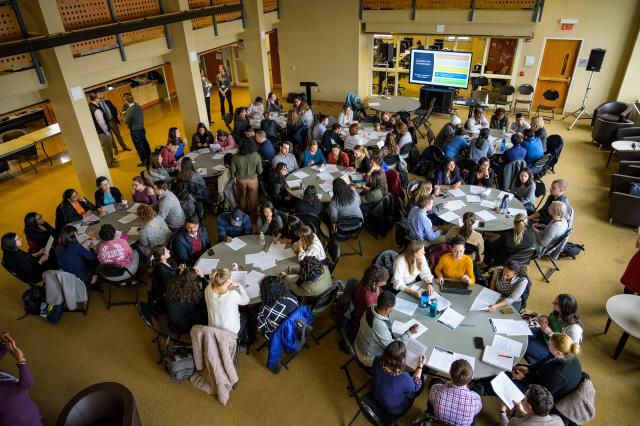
[390,53]
[595,60]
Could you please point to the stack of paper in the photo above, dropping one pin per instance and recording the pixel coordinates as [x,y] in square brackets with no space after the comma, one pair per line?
[506,390]
[456,192]
[509,346]
[236,244]
[239,277]
[399,327]
[484,299]
[326,186]
[280,252]
[128,218]
[415,350]
[451,318]
[473,199]
[455,205]
[133,208]
[498,358]
[261,260]
[485,215]
[252,283]
[294,183]
[207,266]
[510,327]
[441,359]
[406,307]
[109,208]
[300,174]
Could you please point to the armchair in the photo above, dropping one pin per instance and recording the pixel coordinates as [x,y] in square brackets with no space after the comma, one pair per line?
[624,207]
[612,111]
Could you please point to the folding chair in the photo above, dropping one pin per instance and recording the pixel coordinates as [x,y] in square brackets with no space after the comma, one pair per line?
[333,253]
[345,367]
[159,324]
[322,308]
[504,97]
[526,90]
[348,229]
[374,413]
[541,191]
[552,252]
[552,96]
[114,275]
[38,285]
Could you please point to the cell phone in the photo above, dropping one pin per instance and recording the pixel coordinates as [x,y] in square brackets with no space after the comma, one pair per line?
[506,311]
[481,225]
[210,252]
[478,342]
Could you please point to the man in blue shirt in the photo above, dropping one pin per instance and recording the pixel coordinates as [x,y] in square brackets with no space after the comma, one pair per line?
[516,153]
[265,147]
[233,224]
[452,149]
[420,222]
[533,147]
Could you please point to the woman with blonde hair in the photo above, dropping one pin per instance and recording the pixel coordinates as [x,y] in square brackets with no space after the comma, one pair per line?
[390,146]
[309,245]
[554,229]
[411,266]
[537,124]
[223,298]
[520,239]
[469,234]
[403,135]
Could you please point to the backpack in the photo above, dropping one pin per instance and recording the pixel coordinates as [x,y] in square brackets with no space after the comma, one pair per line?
[179,362]
[426,419]
[52,313]
[32,299]
[572,250]
[248,327]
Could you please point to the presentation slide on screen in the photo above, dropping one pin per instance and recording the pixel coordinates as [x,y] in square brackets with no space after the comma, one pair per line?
[440,68]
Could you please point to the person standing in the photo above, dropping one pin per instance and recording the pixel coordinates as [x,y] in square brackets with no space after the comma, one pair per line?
[111,117]
[631,277]
[224,89]
[134,118]
[99,120]
[206,88]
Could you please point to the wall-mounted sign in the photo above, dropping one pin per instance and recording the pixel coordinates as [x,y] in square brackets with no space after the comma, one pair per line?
[567,25]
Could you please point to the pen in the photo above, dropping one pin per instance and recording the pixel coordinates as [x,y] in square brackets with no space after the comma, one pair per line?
[467,325]
[505,356]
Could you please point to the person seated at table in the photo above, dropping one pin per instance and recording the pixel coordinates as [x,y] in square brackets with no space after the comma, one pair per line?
[520,125]
[303,110]
[560,373]
[233,224]
[270,221]
[289,234]
[38,231]
[376,165]
[499,120]
[17,407]
[224,141]
[164,269]
[273,103]
[470,235]
[279,194]
[345,118]
[537,125]
[224,298]
[168,156]
[191,242]
[453,401]
[482,175]
[556,228]
[453,147]
[390,146]
[533,146]
[557,192]
[524,189]
[106,194]
[338,157]
[143,191]
[330,138]
[386,121]
[344,203]
[270,127]
[477,121]
[510,282]
[309,203]
[72,257]
[175,137]
[420,223]
[169,207]
[293,124]
[353,139]
[372,193]
[310,280]
[391,386]
[154,232]
[156,172]
[240,121]
[374,333]
[448,131]
[448,176]
[319,128]
[564,318]
[455,265]
[480,147]
[402,135]
[411,266]
[362,162]
[184,301]
[73,208]
[285,156]
[116,251]
[193,182]
[309,244]
[511,242]
[277,304]
[366,292]
[202,138]
[256,109]
[312,155]
[534,409]
[515,153]
[27,267]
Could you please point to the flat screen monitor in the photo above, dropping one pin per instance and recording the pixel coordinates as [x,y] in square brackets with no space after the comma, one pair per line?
[440,68]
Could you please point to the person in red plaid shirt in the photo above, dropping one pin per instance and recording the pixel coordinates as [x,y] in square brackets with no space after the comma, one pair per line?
[453,401]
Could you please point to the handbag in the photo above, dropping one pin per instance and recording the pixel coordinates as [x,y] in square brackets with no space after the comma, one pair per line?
[179,362]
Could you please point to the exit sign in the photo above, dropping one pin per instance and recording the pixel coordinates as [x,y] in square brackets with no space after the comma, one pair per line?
[566,27]
[567,24]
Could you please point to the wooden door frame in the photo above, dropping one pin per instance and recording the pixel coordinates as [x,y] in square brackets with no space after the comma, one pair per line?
[544,45]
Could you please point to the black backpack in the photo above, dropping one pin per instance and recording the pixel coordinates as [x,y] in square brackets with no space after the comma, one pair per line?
[572,250]
[32,299]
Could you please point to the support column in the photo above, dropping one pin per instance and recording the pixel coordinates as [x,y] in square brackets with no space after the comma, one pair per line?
[64,90]
[186,70]
[255,46]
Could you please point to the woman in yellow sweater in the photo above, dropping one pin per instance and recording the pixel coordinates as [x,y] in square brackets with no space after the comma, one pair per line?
[455,265]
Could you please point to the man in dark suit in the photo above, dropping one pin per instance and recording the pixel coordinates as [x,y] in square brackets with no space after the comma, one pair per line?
[134,118]
[111,117]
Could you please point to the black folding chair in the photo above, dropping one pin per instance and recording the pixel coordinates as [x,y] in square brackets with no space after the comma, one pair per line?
[345,367]
[348,229]
[333,253]
[525,90]
[550,253]
[322,308]
[159,324]
[551,96]
[541,191]
[374,414]
[114,275]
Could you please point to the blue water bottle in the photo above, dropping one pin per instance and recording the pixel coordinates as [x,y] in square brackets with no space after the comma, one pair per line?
[434,308]
[503,144]
[424,300]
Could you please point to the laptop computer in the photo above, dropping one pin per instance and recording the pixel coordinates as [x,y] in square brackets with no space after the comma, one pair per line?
[455,286]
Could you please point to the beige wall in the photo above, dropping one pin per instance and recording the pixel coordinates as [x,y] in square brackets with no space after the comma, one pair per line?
[630,85]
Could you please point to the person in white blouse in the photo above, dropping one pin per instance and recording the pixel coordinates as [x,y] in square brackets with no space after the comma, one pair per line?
[409,266]
[353,138]
[309,245]
[477,122]
[346,116]
[223,298]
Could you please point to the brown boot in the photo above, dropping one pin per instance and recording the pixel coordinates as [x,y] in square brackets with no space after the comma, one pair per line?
[115,151]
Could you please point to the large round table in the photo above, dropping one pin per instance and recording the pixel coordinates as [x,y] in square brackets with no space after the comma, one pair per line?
[227,256]
[495,138]
[392,104]
[623,310]
[114,219]
[460,340]
[211,162]
[371,137]
[487,203]
[317,178]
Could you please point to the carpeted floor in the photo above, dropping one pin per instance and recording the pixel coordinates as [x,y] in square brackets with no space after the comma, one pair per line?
[114,345]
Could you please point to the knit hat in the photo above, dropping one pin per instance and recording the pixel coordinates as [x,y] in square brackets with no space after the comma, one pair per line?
[455,120]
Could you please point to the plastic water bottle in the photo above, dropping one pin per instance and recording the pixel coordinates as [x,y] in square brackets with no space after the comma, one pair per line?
[424,300]
[503,144]
[301,187]
[262,238]
[433,310]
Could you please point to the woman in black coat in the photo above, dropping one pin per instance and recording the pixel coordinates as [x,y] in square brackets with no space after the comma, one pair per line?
[73,208]
[163,272]
[27,267]
[37,231]
[106,194]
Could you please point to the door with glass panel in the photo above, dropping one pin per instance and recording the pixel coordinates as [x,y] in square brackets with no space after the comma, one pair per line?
[556,71]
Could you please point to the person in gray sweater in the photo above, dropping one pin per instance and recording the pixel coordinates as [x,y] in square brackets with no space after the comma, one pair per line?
[511,283]
[286,157]
[524,188]
[374,334]
[154,232]
[547,235]
[169,207]
[344,203]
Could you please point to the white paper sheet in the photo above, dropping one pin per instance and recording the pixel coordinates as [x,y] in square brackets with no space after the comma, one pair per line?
[133,208]
[510,327]
[449,216]
[118,235]
[455,192]
[374,103]
[406,307]
[473,199]
[325,176]
[399,327]
[441,359]
[300,174]
[261,260]
[443,303]
[326,186]
[484,299]
[91,218]
[506,390]
[509,346]
[415,350]
[380,144]
[239,277]
[474,189]
[488,204]
[502,194]
[82,237]
[294,183]
[236,244]
[455,205]
[514,212]
[451,318]
[203,151]
[485,215]
[81,228]
[498,358]
[218,156]
[252,283]
[207,266]
[128,218]
[47,248]
[109,208]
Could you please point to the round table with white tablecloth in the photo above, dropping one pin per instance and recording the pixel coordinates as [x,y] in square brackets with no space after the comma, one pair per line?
[482,202]
[371,137]
[392,104]
[321,177]
[209,163]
